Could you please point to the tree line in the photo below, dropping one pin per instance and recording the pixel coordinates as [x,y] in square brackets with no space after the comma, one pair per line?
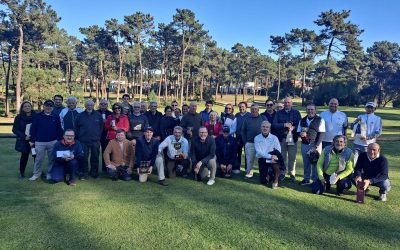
[180,60]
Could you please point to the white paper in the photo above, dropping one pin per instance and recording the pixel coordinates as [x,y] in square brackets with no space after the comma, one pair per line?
[332,179]
[28,129]
[63,153]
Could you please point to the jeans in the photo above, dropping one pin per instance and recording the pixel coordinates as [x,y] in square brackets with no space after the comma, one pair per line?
[289,156]
[172,166]
[119,172]
[309,168]
[94,150]
[41,149]
[60,169]
[250,151]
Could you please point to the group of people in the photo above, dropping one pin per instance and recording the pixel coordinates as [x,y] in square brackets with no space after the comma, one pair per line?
[183,142]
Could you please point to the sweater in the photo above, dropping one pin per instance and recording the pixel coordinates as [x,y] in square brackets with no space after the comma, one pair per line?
[239,122]
[265,145]
[89,127]
[19,126]
[170,142]
[282,116]
[45,128]
[376,170]
[68,118]
[202,151]
[137,124]
[251,128]
[113,154]
[167,125]
[146,151]
[193,121]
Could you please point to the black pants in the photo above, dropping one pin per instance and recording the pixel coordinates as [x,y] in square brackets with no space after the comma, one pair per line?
[94,150]
[266,170]
[23,161]
[341,184]
[103,143]
[240,146]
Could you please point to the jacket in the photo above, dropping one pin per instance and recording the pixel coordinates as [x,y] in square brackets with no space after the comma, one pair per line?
[89,127]
[19,126]
[117,157]
[45,128]
[121,122]
[226,150]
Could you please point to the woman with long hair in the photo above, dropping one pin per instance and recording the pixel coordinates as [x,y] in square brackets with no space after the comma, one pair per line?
[117,120]
[21,129]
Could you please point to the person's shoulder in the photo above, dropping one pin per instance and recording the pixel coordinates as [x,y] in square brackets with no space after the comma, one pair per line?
[273,137]
[258,137]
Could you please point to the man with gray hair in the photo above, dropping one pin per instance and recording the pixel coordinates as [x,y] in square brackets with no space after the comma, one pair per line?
[191,122]
[69,114]
[154,118]
[88,130]
[250,129]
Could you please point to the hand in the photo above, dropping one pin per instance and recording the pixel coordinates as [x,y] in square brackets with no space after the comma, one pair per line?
[27,137]
[129,170]
[363,138]
[323,182]
[229,167]
[150,169]
[357,179]
[274,158]
[114,127]
[223,167]
[303,134]
[357,120]
[287,125]
[158,138]
[336,180]
[112,167]
[366,184]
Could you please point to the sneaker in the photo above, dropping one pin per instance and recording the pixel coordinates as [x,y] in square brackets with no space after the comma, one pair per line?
[275,185]
[236,171]
[304,182]
[209,174]
[292,178]
[21,177]
[48,177]
[282,177]
[249,174]
[210,182]
[163,182]
[34,177]
[382,197]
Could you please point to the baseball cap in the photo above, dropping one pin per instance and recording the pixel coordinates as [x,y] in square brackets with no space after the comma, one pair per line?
[370,104]
[148,129]
[48,103]
[226,129]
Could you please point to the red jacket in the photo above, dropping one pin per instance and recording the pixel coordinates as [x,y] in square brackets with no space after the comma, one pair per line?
[121,123]
[217,128]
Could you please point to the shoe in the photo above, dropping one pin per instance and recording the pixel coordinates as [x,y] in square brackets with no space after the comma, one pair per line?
[382,197]
[282,177]
[292,178]
[210,182]
[82,178]
[163,182]
[72,184]
[275,185]
[34,177]
[209,174]
[304,183]
[48,177]
[249,174]
[21,177]
[236,171]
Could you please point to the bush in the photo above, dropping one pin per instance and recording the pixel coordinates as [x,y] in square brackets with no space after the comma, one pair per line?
[396,103]
[345,92]
[152,97]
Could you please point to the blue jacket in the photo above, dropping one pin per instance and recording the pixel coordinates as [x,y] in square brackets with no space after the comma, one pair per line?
[45,128]
[76,149]
[146,151]
[89,127]
[226,150]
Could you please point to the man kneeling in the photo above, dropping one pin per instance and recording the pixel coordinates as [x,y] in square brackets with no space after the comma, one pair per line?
[66,154]
[334,166]
[203,156]
[372,169]
[177,153]
[119,157]
[266,144]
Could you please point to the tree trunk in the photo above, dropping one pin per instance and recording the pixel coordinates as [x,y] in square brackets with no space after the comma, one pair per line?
[7,101]
[279,79]
[236,92]
[20,60]
[119,73]
[141,74]
[303,84]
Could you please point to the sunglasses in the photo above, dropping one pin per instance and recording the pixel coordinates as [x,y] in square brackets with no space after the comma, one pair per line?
[117,108]
[174,105]
[228,108]
[270,105]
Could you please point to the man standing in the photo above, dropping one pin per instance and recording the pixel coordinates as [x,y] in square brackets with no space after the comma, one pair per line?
[125,102]
[203,156]
[119,157]
[205,114]
[89,127]
[177,153]
[240,117]
[58,104]
[104,112]
[335,166]
[372,168]
[191,122]
[265,144]
[367,127]
[68,115]
[154,119]
[226,153]
[250,129]
[285,124]
[137,122]
[66,154]
[311,128]
[146,151]
[336,122]
[270,113]
[143,107]
[45,131]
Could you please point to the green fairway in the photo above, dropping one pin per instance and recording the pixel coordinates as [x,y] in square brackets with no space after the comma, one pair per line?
[232,214]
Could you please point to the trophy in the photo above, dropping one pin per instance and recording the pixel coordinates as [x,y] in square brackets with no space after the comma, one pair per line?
[144,170]
[363,128]
[112,123]
[360,195]
[178,151]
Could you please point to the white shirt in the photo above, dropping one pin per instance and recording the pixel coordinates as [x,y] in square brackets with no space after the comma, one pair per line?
[374,129]
[64,111]
[169,142]
[231,124]
[265,145]
[334,124]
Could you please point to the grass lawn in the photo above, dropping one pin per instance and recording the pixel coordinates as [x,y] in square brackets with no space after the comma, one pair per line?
[232,214]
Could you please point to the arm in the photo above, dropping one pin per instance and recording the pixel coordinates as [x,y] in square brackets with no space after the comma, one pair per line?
[349,168]
[383,175]
[345,124]
[211,154]
[378,129]
[163,144]
[233,127]
[185,148]
[192,154]
[107,153]
[138,151]
[123,123]
[320,164]
[358,169]
[78,152]
[17,128]
[154,153]
[244,131]
[259,148]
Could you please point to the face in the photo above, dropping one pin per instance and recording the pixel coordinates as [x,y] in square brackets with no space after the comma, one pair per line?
[177,134]
[103,105]
[193,108]
[71,104]
[136,109]
[153,107]
[340,143]
[373,151]
[254,110]
[89,106]
[120,137]
[126,110]
[203,133]
[242,108]
[125,98]
[265,128]
[143,106]
[213,117]
[228,109]
[148,134]
[287,103]
[185,110]
[57,101]
[174,105]
[117,109]
[269,105]
[27,108]
[311,111]
[279,106]
[69,136]
[168,112]
[209,107]
[47,109]
[333,105]
[369,109]
[225,134]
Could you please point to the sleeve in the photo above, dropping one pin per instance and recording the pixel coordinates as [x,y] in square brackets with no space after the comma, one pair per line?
[79,154]
[154,153]
[107,153]
[383,175]
[163,144]
[349,168]
[298,128]
[211,153]
[277,145]
[244,131]
[320,164]
[276,124]
[259,149]
[33,130]
[54,154]
[123,123]
[107,123]
[17,128]
[62,114]
[378,129]
[358,169]
[345,123]
[146,122]
[59,129]
[219,148]
[77,127]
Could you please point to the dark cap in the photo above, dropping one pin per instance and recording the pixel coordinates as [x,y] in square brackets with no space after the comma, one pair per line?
[49,103]
[148,129]
[226,129]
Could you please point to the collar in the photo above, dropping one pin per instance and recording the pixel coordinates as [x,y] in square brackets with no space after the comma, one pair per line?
[373,159]
[63,143]
[265,136]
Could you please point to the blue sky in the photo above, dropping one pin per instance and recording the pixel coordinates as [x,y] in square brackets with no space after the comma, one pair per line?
[249,22]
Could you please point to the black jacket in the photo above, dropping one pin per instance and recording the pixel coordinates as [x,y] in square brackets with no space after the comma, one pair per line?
[202,151]
[88,127]
[282,117]
[154,121]
[20,122]
[226,150]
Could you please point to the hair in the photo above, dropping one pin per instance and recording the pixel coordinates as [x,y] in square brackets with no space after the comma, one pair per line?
[153,102]
[185,105]
[233,109]
[89,102]
[255,105]
[72,99]
[103,100]
[120,131]
[311,104]
[180,111]
[124,95]
[178,128]
[69,130]
[340,136]
[213,113]
[59,96]
[270,100]
[136,103]
[21,110]
[266,122]
[202,128]
[245,104]
[166,108]
[209,102]
[193,103]
[118,105]
[174,101]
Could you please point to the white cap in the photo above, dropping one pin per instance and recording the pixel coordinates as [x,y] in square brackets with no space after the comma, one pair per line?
[371,104]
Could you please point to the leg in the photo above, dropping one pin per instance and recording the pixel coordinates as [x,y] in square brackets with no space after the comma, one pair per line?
[104,143]
[277,171]
[94,159]
[284,154]
[83,166]
[384,186]
[306,163]
[239,151]
[264,178]
[341,185]
[203,172]
[50,160]
[160,167]
[250,154]
[23,161]
[212,166]
[171,167]
[292,151]
[72,167]
[186,164]
[113,174]
[40,154]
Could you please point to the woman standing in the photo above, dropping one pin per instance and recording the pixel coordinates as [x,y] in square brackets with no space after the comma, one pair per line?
[116,121]
[23,119]
[168,122]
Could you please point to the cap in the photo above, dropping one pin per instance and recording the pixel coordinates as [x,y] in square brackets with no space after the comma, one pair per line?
[48,103]
[370,104]
[226,129]
[148,129]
